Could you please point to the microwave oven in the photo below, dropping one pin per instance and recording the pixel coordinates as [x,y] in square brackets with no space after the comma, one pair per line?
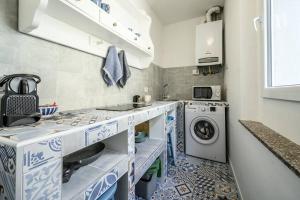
[207,93]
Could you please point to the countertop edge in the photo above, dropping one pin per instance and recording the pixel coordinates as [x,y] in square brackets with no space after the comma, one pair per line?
[38,138]
[267,136]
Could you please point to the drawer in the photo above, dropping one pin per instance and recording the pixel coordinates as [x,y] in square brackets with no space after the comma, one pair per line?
[101,132]
[108,21]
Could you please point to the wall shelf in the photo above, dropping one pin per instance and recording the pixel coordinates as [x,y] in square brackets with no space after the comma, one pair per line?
[82,25]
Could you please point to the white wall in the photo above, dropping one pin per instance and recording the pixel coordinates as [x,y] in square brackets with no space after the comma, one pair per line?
[178,42]
[259,173]
[156,29]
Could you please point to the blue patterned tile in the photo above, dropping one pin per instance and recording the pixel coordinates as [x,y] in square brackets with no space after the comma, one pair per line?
[183,189]
[100,132]
[7,186]
[131,175]
[8,159]
[7,172]
[43,182]
[98,188]
[180,126]
[193,179]
[41,153]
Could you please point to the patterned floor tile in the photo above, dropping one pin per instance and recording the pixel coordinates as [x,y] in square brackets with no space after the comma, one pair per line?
[198,179]
[183,189]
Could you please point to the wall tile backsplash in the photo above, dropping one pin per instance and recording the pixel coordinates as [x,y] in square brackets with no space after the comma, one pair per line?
[181,80]
[72,78]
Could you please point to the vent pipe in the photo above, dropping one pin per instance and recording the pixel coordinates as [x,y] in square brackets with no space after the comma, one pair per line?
[211,11]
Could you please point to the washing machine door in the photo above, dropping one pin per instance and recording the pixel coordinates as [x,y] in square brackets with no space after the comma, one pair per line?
[204,130]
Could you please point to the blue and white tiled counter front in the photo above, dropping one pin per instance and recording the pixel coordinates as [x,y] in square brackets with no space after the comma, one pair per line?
[31,156]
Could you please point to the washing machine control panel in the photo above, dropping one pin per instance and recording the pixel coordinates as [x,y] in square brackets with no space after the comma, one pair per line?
[203,109]
[206,107]
[208,103]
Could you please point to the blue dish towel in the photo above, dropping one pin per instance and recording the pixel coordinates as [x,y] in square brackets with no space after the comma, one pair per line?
[112,70]
[125,67]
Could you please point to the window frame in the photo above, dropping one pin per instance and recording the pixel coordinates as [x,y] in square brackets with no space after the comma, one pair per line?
[289,93]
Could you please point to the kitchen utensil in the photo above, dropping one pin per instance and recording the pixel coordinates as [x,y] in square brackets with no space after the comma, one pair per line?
[140,137]
[147,98]
[47,111]
[81,158]
[19,102]
[136,98]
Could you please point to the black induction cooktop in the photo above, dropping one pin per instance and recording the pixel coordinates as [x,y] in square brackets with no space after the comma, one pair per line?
[124,107]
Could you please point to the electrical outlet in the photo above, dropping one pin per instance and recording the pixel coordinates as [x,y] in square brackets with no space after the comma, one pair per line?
[196,72]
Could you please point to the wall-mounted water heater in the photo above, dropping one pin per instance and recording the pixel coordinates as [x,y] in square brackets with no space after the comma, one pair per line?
[209,43]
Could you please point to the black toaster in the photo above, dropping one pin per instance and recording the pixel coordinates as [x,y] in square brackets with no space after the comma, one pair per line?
[19,100]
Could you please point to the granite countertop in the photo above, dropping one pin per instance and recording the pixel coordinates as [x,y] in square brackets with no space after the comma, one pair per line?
[69,120]
[284,149]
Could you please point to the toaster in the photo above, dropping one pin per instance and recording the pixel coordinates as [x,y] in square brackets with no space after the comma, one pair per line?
[19,100]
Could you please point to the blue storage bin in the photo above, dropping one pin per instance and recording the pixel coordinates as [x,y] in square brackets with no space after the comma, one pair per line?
[109,194]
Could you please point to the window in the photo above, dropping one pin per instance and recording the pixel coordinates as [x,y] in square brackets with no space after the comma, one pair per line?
[282,47]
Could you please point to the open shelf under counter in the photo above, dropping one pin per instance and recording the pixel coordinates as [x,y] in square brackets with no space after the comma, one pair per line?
[147,153]
[110,165]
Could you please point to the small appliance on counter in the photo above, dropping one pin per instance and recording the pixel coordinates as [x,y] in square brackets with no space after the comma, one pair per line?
[19,100]
[207,93]
[147,98]
[136,99]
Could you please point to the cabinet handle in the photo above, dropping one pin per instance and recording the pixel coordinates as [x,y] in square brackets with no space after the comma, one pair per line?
[115,24]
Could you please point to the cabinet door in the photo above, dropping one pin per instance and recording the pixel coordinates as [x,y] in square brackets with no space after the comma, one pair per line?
[107,20]
[88,7]
[110,22]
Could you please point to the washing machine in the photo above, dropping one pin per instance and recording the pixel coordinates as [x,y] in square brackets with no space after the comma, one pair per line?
[205,130]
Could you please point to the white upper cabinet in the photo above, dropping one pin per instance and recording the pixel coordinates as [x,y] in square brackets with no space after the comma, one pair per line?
[87,6]
[83,25]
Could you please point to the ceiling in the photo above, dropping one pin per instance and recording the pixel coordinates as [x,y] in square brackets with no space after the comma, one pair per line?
[172,11]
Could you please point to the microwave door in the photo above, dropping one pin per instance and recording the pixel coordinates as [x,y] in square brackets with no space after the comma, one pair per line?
[203,92]
[209,93]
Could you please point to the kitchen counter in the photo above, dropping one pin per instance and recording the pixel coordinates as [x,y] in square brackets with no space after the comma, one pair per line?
[73,120]
[31,157]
